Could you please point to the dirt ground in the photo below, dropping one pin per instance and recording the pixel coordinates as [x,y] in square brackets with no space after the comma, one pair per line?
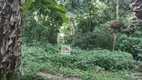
[55,77]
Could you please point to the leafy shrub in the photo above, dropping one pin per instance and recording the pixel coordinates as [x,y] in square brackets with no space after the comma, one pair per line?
[83,40]
[104,38]
[130,44]
[100,38]
[82,59]
[80,63]
[33,31]
[89,59]
[46,47]
[106,60]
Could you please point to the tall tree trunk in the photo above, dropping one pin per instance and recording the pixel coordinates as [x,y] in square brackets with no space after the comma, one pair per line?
[115,33]
[117,10]
[10,37]
[114,41]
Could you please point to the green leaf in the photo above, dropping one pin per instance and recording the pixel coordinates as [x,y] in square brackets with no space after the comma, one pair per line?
[47,4]
[64,17]
[62,11]
[59,8]
[54,5]
[27,5]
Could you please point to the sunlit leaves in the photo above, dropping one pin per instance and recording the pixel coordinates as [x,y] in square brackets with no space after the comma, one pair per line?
[45,5]
[54,5]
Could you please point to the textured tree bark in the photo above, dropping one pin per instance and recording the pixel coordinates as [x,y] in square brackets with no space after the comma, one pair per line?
[10,37]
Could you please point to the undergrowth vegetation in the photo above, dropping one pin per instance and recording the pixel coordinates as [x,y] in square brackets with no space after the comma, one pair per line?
[130,44]
[85,65]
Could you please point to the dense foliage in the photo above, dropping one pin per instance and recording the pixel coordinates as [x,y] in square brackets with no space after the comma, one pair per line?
[88,26]
[79,63]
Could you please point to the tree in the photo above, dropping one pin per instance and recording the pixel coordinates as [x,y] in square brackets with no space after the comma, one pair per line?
[47,17]
[10,37]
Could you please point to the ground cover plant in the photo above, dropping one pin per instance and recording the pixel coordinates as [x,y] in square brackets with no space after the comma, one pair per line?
[84,65]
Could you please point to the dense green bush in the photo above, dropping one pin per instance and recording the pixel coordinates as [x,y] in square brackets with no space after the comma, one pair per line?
[82,40]
[46,47]
[81,59]
[104,38]
[80,63]
[38,29]
[33,31]
[129,44]
[104,59]
[100,38]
